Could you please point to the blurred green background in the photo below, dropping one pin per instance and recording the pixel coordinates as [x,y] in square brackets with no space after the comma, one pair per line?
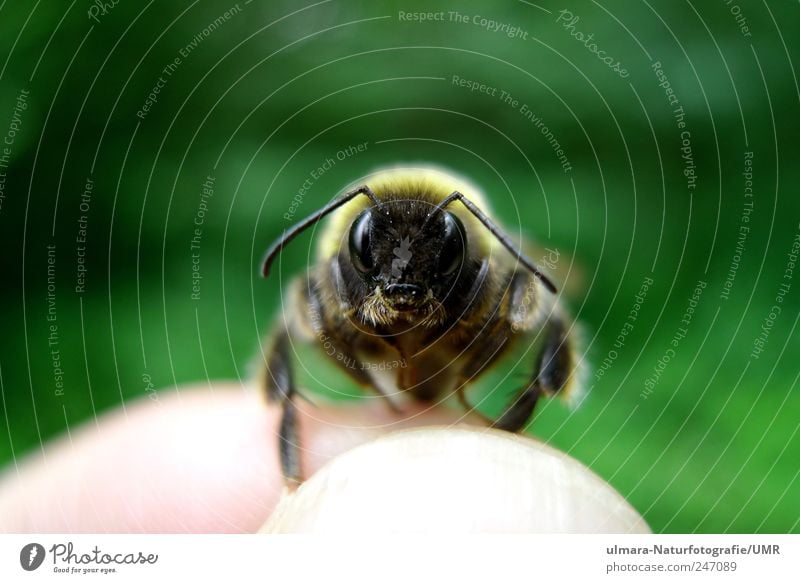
[686,418]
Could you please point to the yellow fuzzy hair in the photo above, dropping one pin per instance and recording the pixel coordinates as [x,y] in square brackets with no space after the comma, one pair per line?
[426,183]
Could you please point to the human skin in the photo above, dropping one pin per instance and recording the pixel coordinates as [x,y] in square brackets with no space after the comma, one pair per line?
[204,459]
[199,459]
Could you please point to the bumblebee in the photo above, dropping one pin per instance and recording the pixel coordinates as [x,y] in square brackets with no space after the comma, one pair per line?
[411,270]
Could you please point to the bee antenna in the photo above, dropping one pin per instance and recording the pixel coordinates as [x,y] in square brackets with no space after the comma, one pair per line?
[290,234]
[500,236]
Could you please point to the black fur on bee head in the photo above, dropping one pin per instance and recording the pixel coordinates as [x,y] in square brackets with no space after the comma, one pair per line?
[407,259]
[408,256]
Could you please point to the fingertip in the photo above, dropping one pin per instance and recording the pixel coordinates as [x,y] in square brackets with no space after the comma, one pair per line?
[455,480]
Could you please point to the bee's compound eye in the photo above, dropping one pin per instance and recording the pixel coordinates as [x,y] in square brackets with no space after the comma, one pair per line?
[361,242]
[454,244]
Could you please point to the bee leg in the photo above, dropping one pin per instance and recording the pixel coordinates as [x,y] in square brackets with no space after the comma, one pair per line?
[495,338]
[550,376]
[280,388]
[521,410]
[462,398]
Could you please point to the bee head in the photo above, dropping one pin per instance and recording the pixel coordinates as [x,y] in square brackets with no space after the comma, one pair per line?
[408,255]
